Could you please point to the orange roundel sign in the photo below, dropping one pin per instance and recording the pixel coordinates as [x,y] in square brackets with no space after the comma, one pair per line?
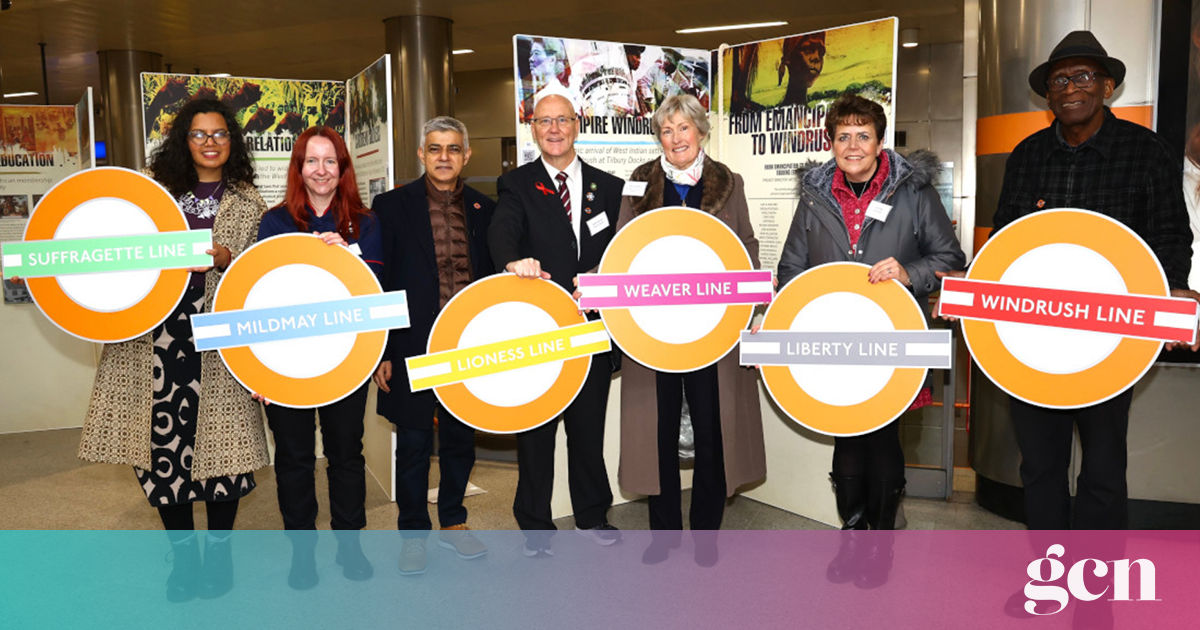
[285,271]
[677,338]
[114,306]
[508,354]
[1069,253]
[846,385]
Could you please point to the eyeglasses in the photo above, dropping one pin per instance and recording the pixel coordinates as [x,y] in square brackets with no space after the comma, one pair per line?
[562,121]
[1083,81]
[220,136]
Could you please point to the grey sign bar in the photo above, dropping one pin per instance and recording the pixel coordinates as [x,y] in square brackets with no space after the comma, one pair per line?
[899,349]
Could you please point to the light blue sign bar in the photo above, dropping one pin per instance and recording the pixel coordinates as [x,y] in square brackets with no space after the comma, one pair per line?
[231,329]
[898,349]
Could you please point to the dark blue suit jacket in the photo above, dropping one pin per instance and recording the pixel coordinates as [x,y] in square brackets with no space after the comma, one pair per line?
[410,264]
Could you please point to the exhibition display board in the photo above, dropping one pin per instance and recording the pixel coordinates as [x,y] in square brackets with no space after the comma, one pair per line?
[299,322]
[616,88]
[675,288]
[105,254]
[1067,308]
[842,356]
[39,146]
[369,137]
[774,96]
[272,112]
[508,354]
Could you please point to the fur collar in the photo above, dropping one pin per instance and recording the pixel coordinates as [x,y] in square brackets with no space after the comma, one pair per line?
[916,171]
[716,178]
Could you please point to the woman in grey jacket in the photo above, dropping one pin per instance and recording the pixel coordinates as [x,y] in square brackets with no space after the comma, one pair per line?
[872,206]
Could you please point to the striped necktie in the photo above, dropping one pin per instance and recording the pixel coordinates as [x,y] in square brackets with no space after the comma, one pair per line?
[564,193]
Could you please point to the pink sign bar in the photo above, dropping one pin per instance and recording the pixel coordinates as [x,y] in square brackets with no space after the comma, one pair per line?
[626,290]
[1128,315]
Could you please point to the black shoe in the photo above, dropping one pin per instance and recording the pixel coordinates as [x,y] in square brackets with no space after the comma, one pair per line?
[303,574]
[350,557]
[657,552]
[185,572]
[537,546]
[602,534]
[216,578]
[706,547]
[845,565]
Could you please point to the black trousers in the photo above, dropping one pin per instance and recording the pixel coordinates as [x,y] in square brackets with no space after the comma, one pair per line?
[873,456]
[456,457]
[591,495]
[708,477]
[296,460]
[1101,491]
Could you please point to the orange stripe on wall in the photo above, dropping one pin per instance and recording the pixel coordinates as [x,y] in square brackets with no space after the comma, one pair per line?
[1001,134]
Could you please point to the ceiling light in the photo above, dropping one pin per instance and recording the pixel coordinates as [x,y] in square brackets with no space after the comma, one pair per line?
[221,74]
[20,94]
[728,27]
[463,51]
[908,37]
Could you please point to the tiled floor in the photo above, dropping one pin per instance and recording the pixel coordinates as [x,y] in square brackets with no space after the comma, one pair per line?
[43,486]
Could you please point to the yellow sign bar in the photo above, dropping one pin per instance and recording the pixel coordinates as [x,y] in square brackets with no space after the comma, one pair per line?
[455,366]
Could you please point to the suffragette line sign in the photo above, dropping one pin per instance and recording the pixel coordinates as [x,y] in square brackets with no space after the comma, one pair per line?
[167,250]
[455,366]
[105,254]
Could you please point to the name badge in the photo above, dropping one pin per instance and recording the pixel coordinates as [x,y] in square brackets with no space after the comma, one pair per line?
[878,211]
[598,224]
[634,189]
[355,249]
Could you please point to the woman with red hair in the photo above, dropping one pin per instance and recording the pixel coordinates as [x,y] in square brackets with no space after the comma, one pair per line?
[322,198]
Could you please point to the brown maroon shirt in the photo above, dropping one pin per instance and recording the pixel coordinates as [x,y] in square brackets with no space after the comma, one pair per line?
[448,218]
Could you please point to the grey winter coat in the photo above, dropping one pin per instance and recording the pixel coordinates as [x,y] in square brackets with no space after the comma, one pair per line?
[917,231]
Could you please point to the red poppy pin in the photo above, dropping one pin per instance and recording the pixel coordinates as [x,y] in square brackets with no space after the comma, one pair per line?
[477,205]
[1041,204]
[542,187]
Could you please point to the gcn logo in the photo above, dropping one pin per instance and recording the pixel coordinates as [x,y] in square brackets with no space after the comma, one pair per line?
[1075,581]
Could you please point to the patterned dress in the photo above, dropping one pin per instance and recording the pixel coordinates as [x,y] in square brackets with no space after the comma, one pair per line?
[177,388]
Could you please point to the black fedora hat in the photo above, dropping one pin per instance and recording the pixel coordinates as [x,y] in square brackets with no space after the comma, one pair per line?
[1077,44]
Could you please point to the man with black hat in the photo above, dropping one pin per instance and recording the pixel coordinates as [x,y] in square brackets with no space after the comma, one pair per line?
[1088,158]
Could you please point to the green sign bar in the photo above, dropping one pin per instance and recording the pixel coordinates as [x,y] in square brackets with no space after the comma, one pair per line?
[64,257]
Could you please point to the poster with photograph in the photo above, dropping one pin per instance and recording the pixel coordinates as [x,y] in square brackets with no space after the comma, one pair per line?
[272,113]
[39,146]
[616,88]
[369,101]
[771,112]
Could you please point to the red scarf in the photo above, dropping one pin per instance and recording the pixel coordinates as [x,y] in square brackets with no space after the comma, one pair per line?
[854,209]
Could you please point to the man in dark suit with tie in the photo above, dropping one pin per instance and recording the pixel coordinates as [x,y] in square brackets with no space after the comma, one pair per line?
[554,219]
[435,244]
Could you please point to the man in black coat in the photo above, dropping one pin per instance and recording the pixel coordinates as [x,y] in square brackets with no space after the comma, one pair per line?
[435,244]
[554,219]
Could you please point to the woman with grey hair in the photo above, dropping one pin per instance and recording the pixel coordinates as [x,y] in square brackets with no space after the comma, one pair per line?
[722,398]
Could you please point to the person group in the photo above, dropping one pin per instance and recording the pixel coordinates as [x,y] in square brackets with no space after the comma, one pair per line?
[194,435]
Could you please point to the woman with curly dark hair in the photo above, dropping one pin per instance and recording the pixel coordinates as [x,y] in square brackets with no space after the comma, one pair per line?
[191,431]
